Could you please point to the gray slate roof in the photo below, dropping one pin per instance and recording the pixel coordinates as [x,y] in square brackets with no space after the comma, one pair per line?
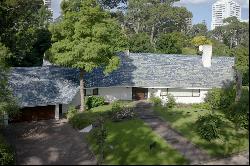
[164,70]
[53,85]
[49,85]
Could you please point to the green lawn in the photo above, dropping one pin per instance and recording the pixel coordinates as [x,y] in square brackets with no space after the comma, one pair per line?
[183,120]
[130,141]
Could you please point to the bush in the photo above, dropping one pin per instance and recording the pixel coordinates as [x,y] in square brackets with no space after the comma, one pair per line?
[208,126]
[81,120]
[6,153]
[156,101]
[94,101]
[125,113]
[238,112]
[71,112]
[171,103]
[221,98]
[205,106]
[213,98]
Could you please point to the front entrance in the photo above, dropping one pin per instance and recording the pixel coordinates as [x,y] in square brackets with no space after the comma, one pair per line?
[139,93]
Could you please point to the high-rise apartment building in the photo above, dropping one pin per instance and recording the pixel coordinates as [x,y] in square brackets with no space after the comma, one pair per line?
[223,9]
[48,4]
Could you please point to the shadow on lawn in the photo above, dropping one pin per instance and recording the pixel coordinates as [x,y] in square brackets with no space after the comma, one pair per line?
[183,121]
[131,145]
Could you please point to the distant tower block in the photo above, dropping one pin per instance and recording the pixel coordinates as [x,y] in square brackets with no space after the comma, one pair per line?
[223,9]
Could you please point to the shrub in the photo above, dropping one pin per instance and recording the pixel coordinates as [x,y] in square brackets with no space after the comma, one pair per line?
[94,101]
[116,106]
[205,106]
[213,98]
[6,153]
[238,112]
[208,126]
[125,113]
[71,112]
[171,103]
[80,120]
[156,101]
[220,98]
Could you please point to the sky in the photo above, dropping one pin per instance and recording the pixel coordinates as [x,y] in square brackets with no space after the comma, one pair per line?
[201,9]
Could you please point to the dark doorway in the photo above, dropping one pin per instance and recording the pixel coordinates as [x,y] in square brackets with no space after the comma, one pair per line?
[139,93]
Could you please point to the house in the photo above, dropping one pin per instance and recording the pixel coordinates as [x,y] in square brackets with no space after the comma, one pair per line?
[46,92]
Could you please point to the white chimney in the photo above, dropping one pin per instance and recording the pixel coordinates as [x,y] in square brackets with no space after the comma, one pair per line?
[207,52]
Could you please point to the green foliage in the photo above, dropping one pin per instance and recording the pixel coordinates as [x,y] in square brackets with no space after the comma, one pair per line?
[208,126]
[23,30]
[242,62]
[80,120]
[238,112]
[198,30]
[205,106]
[140,43]
[87,37]
[233,33]
[171,103]
[124,114]
[94,101]
[8,103]
[100,135]
[189,51]
[220,49]
[71,112]
[220,99]
[171,43]
[116,107]
[155,17]
[200,40]
[7,156]
[156,101]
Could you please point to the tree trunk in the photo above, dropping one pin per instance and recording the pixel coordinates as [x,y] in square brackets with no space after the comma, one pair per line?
[238,85]
[152,35]
[82,108]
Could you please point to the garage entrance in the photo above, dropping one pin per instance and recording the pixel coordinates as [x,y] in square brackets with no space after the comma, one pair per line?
[29,114]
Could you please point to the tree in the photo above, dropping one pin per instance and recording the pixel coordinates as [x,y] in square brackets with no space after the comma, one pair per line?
[155,16]
[171,43]
[220,49]
[22,24]
[241,54]
[7,101]
[140,43]
[87,38]
[233,33]
[198,30]
[200,40]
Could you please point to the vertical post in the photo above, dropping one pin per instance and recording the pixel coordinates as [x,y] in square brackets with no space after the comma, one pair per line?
[6,119]
[82,90]
[238,85]
[57,112]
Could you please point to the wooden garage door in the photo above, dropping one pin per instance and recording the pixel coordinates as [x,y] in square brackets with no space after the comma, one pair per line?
[35,114]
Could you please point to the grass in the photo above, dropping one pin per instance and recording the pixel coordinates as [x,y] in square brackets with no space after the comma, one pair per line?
[128,143]
[183,120]
[83,119]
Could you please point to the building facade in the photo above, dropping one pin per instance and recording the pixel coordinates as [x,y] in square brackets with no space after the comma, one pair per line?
[223,9]
[48,4]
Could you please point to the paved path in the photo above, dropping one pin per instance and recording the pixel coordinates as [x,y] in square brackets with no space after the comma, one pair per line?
[240,159]
[49,143]
[178,142]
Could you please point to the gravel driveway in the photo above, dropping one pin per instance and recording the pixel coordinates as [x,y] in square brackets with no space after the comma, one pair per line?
[49,142]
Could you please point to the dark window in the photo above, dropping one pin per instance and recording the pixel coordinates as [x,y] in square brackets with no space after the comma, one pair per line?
[95,91]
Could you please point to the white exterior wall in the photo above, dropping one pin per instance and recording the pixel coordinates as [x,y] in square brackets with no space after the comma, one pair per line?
[115,93]
[186,100]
